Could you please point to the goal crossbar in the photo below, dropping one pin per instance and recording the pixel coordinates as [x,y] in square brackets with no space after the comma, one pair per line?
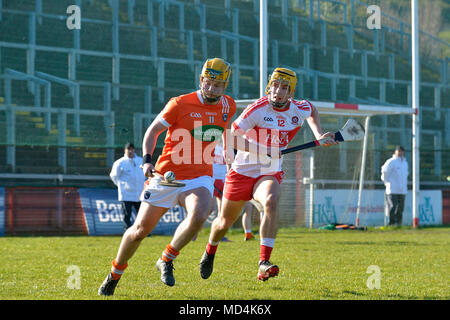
[347,108]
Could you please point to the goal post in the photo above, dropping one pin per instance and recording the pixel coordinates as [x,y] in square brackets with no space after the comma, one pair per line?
[340,171]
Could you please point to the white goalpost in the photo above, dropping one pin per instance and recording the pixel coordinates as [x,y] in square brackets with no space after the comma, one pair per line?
[367,111]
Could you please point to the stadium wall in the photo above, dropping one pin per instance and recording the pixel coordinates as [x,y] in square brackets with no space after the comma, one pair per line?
[96,212]
[69,211]
[445,206]
[2,211]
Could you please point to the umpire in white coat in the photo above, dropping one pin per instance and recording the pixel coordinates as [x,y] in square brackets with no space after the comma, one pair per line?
[394,174]
[129,179]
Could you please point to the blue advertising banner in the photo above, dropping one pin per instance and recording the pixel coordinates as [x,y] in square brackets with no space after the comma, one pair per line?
[2,212]
[103,215]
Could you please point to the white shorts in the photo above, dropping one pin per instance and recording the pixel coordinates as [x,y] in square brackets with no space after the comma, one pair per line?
[167,197]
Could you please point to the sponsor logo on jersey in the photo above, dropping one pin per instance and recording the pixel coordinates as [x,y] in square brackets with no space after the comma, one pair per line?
[207,133]
[280,139]
[196,115]
[225,116]
[268,119]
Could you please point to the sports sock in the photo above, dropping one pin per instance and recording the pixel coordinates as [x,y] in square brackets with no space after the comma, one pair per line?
[266,246]
[117,269]
[169,253]
[211,247]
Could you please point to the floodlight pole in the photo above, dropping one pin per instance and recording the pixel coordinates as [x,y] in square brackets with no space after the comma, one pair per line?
[263,38]
[415,105]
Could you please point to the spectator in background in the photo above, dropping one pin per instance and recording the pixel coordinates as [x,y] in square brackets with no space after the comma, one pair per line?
[394,174]
[129,179]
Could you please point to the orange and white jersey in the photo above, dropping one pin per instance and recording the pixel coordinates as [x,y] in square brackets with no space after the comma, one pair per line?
[193,132]
[263,124]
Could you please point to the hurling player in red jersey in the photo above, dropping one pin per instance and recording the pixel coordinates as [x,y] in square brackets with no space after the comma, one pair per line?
[264,128]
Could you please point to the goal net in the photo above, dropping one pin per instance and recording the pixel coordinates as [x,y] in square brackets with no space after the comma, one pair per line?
[321,185]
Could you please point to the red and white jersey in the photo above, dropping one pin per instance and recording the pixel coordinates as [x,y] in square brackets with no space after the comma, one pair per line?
[272,127]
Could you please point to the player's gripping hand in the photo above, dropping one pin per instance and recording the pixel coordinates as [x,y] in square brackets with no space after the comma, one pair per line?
[329,136]
[274,153]
[268,154]
[148,169]
[228,155]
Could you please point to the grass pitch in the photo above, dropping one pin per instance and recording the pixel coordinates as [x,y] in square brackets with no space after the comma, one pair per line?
[314,264]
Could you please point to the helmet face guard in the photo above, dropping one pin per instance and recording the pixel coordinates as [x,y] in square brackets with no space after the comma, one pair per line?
[280,78]
[218,72]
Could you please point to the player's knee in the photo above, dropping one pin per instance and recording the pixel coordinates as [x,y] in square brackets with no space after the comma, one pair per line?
[270,203]
[138,232]
[198,219]
[224,223]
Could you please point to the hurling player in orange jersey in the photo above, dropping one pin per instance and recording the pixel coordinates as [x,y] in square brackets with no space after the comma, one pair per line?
[195,122]
[264,128]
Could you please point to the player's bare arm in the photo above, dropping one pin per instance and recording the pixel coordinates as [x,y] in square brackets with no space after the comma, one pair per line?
[228,148]
[148,146]
[239,142]
[314,124]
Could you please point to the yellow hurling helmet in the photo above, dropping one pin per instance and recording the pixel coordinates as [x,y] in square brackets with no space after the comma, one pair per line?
[284,75]
[217,69]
